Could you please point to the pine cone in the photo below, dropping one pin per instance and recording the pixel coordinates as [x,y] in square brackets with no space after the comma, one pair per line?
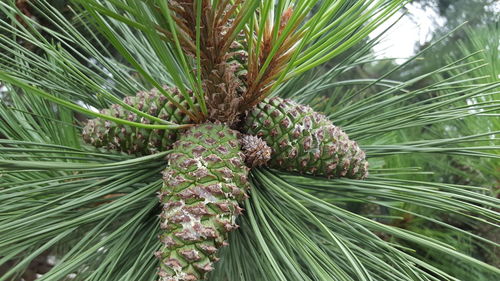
[256,151]
[133,140]
[303,140]
[225,83]
[203,184]
[238,58]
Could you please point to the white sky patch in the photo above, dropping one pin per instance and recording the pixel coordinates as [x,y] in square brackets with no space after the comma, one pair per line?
[400,40]
[87,106]
[495,7]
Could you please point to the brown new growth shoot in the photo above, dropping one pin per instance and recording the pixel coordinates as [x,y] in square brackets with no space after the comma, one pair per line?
[233,80]
[261,76]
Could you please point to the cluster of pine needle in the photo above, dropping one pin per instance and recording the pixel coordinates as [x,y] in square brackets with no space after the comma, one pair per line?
[206,178]
[203,124]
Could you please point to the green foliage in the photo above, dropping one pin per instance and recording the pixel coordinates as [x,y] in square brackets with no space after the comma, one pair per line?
[97,212]
[459,11]
[480,47]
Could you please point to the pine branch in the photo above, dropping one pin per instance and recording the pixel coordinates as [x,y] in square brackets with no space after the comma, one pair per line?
[97,212]
[215,26]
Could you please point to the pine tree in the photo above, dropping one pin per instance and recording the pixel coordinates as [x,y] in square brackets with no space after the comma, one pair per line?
[186,113]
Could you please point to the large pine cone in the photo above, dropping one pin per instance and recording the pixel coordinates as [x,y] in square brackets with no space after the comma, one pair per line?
[203,184]
[303,140]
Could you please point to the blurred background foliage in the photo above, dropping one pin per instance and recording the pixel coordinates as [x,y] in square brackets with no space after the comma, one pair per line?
[476,42]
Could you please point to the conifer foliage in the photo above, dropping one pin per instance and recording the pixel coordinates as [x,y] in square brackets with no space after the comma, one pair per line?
[321,148]
[184,91]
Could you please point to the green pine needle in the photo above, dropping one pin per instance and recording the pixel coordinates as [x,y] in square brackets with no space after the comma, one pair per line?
[96,210]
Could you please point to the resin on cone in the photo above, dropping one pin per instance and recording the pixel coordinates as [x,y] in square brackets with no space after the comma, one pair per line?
[134,140]
[303,140]
[202,186]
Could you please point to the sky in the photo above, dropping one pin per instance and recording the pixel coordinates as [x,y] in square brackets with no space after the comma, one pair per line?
[400,41]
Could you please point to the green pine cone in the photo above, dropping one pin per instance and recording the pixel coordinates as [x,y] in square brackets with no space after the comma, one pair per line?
[303,140]
[133,140]
[237,56]
[239,60]
[202,186]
